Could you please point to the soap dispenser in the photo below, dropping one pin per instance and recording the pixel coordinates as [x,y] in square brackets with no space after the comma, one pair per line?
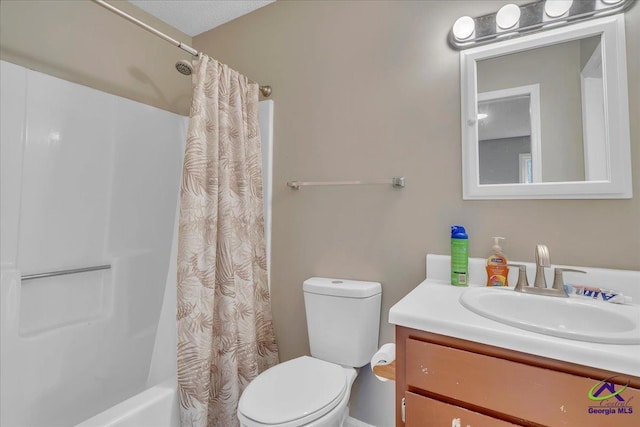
[497,270]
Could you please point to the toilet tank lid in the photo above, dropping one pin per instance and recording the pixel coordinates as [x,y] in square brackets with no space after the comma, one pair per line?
[341,287]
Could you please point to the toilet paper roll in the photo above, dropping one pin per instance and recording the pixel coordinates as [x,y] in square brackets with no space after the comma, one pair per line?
[384,356]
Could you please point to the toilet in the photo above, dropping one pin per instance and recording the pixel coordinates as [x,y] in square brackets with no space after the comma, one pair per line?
[343,320]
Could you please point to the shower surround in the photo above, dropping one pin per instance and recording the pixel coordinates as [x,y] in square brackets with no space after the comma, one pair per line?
[88,179]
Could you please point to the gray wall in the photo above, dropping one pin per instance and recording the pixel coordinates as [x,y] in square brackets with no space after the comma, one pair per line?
[499,159]
[367,90]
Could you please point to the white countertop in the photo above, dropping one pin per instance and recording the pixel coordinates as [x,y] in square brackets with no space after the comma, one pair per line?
[433,306]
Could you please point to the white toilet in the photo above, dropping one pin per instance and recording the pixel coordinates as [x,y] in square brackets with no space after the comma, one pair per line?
[343,320]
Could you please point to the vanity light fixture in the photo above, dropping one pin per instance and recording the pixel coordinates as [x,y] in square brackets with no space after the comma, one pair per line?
[508,16]
[463,28]
[513,21]
[557,8]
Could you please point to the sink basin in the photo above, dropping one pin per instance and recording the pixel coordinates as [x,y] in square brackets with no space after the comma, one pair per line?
[574,318]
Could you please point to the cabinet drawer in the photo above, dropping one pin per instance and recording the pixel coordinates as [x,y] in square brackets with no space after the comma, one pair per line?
[517,390]
[425,412]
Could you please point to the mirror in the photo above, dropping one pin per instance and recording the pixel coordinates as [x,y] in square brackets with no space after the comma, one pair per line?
[546,115]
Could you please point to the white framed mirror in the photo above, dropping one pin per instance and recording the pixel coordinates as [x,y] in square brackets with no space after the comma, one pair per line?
[546,116]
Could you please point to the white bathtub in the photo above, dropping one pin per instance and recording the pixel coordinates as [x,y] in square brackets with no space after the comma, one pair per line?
[155,407]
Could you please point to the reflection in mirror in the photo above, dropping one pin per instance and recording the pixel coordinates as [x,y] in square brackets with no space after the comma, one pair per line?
[568,77]
[508,136]
[546,116]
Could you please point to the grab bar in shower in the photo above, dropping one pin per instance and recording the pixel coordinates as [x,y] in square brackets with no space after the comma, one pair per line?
[65,272]
[396,182]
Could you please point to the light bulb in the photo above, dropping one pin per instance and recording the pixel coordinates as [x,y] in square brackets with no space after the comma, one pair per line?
[556,8]
[463,28]
[508,16]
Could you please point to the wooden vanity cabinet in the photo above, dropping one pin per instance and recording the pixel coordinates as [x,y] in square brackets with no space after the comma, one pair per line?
[449,382]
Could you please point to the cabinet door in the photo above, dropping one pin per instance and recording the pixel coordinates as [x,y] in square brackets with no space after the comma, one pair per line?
[424,412]
[542,396]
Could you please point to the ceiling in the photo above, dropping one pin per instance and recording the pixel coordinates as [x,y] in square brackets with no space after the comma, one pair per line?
[193,17]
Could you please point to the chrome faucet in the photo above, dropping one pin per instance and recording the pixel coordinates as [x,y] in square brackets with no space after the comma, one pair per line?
[540,284]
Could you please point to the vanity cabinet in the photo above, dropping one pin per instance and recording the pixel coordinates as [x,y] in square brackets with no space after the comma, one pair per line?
[443,381]
[425,411]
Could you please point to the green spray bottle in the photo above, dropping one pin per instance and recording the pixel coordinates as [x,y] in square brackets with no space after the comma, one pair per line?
[459,256]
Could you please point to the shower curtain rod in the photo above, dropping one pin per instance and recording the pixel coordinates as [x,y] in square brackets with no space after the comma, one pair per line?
[265,90]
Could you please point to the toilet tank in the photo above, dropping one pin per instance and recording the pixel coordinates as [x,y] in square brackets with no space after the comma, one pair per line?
[343,319]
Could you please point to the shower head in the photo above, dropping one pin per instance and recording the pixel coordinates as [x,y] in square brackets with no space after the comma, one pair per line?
[184,67]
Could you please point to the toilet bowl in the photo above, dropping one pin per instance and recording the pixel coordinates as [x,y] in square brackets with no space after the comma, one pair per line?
[301,392]
[343,320]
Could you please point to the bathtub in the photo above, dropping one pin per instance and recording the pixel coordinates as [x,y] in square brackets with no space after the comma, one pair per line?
[157,406]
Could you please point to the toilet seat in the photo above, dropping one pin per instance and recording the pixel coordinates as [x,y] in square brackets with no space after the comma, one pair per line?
[296,392]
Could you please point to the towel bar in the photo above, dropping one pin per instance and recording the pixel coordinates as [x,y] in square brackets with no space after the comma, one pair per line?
[65,272]
[396,182]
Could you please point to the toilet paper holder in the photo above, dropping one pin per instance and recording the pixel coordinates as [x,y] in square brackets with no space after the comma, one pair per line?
[383,362]
[386,371]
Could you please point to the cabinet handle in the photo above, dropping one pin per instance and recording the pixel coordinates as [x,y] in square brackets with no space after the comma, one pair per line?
[403,410]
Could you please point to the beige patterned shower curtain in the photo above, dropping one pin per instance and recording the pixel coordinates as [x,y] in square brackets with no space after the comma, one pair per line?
[225,331]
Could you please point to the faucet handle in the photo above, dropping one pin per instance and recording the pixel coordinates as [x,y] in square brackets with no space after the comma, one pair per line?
[558,279]
[522,276]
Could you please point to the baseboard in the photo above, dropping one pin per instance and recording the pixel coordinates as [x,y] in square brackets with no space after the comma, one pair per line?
[352,422]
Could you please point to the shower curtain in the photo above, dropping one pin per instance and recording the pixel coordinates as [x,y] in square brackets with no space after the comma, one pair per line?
[225,330]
